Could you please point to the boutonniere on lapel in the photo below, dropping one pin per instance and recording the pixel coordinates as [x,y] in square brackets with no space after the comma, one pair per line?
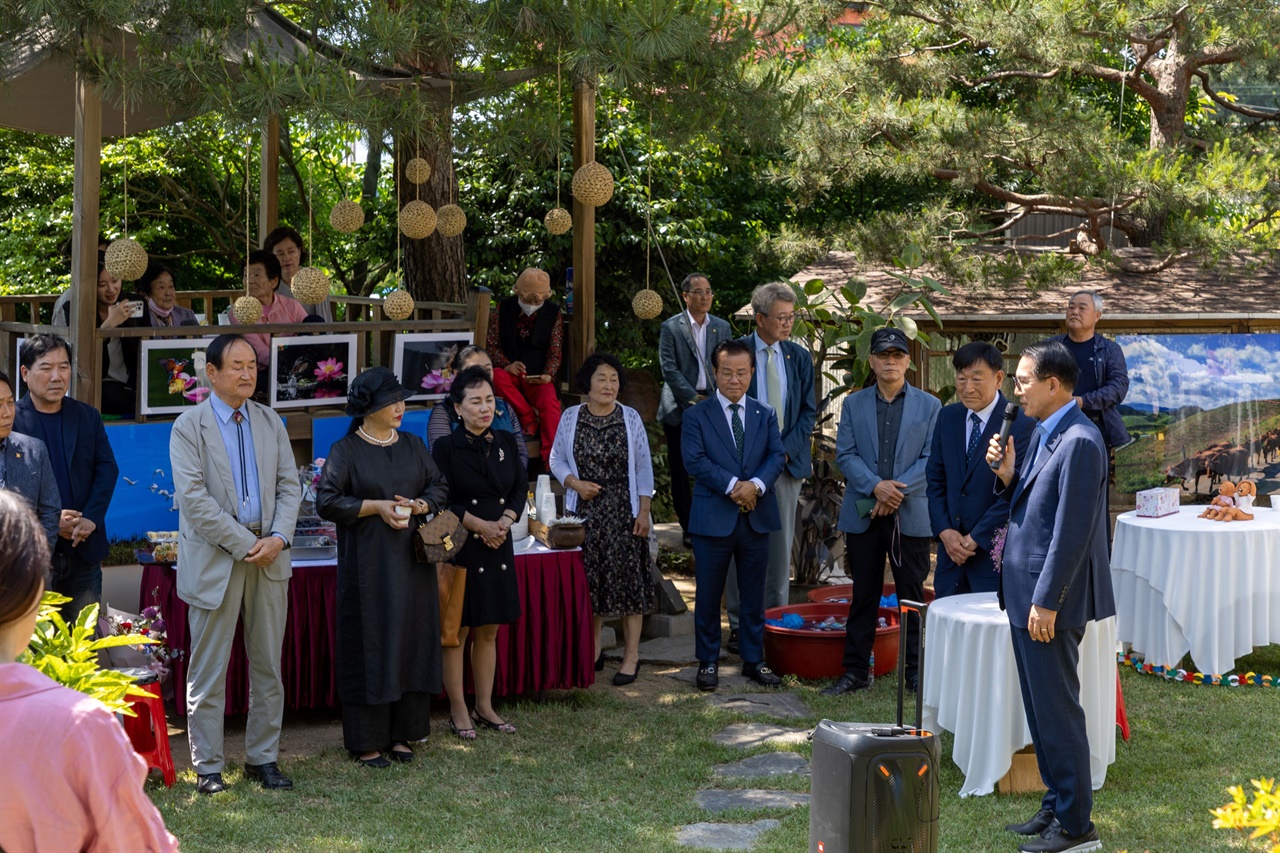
[502,456]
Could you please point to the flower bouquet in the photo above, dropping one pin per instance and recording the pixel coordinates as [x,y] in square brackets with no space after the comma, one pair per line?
[155,654]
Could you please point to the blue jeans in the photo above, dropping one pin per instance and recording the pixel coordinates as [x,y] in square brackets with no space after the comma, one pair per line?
[80,581]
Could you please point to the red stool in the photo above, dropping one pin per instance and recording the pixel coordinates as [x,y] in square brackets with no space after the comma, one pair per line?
[149,731]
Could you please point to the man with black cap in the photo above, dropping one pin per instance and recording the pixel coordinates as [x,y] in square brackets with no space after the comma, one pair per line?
[238,496]
[882,448]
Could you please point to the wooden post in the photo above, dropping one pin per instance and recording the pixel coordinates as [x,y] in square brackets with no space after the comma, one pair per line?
[269,179]
[86,383]
[582,329]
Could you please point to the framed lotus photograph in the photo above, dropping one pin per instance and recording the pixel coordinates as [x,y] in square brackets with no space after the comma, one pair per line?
[312,370]
[422,361]
[171,375]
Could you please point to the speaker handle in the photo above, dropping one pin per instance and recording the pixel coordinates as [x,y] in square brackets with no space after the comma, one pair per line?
[905,607]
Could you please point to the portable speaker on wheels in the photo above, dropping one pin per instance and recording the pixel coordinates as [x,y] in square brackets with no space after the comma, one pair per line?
[875,787]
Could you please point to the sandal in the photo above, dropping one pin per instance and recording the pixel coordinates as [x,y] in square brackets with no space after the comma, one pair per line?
[504,727]
[461,734]
[403,755]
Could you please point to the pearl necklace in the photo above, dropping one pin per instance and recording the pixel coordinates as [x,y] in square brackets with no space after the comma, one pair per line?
[381,442]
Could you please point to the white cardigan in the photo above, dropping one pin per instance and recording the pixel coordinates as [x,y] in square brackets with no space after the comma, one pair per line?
[639,464]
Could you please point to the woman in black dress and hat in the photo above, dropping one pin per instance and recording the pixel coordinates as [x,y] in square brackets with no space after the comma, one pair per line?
[388,651]
[487,490]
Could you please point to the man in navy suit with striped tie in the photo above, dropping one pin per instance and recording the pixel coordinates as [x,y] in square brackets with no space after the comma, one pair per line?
[964,510]
[733,449]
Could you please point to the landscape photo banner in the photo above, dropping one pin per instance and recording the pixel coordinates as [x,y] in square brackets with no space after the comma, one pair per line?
[1201,409]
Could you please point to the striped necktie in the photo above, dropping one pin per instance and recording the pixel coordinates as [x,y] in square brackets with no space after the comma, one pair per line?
[739,434]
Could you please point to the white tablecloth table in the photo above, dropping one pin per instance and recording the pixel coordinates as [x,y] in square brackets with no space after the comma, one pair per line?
[1187,584]
[970,688]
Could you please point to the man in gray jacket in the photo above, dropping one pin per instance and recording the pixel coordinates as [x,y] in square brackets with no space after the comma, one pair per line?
[882,448]
[685,345]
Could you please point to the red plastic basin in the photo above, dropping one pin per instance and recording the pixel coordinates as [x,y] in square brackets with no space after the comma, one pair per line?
[820,654]
[842,593]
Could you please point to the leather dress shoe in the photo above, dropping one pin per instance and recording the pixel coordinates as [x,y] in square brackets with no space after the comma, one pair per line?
[912,681]
[269,775]
[1056,840]
[733,646]
[210,783]
[849,683]
[688,540]
[761,674]
[708,677]
[1039,823]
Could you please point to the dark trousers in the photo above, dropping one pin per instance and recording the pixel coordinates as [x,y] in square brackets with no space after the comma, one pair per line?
[864,557]
[958,580]
[711,555]
[1050,682]
[681,485]
[369,727]
[76,579]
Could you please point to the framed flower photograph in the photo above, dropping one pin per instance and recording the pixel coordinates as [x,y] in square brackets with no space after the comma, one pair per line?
[172,376]
[312,370]
[422,361]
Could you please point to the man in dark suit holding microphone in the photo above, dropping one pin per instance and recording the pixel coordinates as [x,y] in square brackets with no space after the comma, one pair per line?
[734,451]
[1055,578]
[964,511]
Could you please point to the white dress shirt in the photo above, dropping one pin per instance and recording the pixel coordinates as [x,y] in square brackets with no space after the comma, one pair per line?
[725,402]
[700,344]
[984,416]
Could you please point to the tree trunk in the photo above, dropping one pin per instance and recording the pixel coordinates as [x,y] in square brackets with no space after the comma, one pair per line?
[368,200]
[434,268]
[1172,74]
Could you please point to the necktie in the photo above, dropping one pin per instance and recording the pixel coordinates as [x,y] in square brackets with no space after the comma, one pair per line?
[739,434]
[244,471]
[774,385]
[974,434]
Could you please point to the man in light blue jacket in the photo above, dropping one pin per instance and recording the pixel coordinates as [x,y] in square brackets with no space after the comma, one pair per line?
[882,448]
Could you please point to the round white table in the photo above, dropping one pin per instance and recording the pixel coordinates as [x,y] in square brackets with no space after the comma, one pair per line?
[971,689]
[1187,584]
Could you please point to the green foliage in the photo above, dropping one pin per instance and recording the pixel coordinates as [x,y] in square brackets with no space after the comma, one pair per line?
[69,654]
[1262,815]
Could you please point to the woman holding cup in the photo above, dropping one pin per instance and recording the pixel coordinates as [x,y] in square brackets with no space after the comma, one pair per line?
[375,480]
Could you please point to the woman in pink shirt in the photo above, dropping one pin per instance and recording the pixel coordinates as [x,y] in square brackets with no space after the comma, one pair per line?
[70,779]
[262,276]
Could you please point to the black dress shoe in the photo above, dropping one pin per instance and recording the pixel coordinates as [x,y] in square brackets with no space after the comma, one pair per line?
[210,783]
[1039,823]
[621,679]
[912,682]
[600,662]
[708,677]
[1056,840]
[688,540]
[761,674]
[404,754]
[733,646]
[269,775]
[849,683]
[378,762]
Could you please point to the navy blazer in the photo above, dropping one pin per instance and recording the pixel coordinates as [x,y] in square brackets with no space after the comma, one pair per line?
[678,357]
[1055,555]
[28,472]
[711,458]
[90,464]
[1111,378]
[802,407]
[962,491]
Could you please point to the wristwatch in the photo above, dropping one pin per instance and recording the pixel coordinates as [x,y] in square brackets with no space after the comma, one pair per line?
[759,491]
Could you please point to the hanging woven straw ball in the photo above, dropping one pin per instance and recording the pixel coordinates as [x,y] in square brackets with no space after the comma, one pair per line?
[397,304]
[126,259]
[450,220]
[310,286]
[346,216]
[417,220]
[593,184]
[248,310]
[417,170]
[647,304]
[558,220]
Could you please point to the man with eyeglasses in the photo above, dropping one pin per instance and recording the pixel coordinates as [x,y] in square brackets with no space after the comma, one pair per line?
[783,379]
[526,343]
[685,345]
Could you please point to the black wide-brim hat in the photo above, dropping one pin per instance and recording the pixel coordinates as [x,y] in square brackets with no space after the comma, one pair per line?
[374,389]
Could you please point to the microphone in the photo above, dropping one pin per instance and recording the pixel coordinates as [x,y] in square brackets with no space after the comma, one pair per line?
[1010,415]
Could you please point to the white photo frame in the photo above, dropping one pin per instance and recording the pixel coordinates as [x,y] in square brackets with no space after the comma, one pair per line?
[422,361]
[172,376]
[312,370]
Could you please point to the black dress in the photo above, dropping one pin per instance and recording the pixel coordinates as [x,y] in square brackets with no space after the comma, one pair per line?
[485,479]
[616,560]
[388,621]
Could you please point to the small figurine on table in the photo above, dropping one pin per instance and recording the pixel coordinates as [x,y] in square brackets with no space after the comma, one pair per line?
[1225,501]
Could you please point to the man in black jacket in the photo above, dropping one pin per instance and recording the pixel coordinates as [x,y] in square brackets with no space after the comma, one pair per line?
[1104,377]
[83,465]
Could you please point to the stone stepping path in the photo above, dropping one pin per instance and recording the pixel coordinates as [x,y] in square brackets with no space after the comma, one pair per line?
[723,836]
[664,651]
[776,704]
[765,765]
[751,735]
[715,801]
[731,678]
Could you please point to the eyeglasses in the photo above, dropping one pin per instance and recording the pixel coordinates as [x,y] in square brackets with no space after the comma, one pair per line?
[1018,382]
[698,292]
[784,319]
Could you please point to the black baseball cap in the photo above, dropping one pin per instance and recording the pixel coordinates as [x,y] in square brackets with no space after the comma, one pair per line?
[888,337]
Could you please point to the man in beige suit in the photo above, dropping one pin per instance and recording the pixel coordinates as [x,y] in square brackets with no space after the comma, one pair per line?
[238,496]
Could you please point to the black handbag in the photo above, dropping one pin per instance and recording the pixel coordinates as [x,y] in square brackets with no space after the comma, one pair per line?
[439,538]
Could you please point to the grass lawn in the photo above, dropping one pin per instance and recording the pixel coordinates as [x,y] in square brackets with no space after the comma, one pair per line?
[616,769]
